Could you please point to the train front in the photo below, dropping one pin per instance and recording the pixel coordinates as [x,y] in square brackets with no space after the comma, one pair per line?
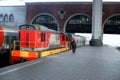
[28,38]
[28,44]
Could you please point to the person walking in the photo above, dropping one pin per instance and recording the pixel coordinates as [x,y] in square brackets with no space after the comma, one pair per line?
[73,45]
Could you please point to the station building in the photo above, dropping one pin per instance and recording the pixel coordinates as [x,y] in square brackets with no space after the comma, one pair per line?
[63,16]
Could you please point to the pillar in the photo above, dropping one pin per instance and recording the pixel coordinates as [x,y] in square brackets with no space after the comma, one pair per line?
[96,23]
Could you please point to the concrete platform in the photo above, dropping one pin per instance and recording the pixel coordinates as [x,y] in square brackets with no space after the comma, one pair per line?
[88,63]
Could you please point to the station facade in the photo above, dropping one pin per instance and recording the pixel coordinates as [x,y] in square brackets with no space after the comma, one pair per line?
[73,17]
[69,17]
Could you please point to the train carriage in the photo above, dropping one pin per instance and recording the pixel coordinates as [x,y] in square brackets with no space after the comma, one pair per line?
[7,35]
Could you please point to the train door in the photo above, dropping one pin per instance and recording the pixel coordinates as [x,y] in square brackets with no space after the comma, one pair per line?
[63,40]
[6,42]
[43,40]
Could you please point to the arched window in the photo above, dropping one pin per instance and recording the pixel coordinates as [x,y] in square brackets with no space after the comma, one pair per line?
[46,20]
[11,18]
[5,18]
[112,25]
[78,23]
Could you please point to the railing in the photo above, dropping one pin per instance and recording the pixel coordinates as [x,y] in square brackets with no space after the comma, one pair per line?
[15,45]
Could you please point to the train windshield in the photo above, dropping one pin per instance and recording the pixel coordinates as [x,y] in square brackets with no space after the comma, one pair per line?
[27,27]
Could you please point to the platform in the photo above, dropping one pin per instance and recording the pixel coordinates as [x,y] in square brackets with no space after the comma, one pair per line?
[88,63]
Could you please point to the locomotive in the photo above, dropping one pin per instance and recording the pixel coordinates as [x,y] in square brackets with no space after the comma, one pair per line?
[7,35]
[36,38]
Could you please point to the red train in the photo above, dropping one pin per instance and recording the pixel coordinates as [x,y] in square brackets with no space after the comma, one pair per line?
[7,35]
[36,38]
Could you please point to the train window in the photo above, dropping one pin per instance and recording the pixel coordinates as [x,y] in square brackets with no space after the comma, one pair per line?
[63,38]
[22,27]
[31,28]
[57,37]
[14,38]
[27,27]
[6,40]
[42,37]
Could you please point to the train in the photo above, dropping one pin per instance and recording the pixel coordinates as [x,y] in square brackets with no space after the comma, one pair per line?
[34,38]
[31,40]
[38,38]
[7,35]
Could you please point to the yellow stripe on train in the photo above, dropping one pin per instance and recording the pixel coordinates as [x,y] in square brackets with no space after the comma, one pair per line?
[24,54]
[16,55]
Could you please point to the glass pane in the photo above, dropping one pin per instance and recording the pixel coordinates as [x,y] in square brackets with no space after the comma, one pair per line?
[47,21]
[79,23]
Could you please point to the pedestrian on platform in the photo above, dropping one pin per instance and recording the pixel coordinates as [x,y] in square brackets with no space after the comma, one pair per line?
[73,45]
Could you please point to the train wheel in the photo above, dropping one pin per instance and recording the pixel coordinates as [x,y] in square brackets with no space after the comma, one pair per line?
[39,54]
[23,60]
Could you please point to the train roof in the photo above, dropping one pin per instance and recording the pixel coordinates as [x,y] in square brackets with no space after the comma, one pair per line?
[36,27]
[7,27]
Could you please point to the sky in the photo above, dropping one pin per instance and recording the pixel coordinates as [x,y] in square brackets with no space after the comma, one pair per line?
[22,2]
